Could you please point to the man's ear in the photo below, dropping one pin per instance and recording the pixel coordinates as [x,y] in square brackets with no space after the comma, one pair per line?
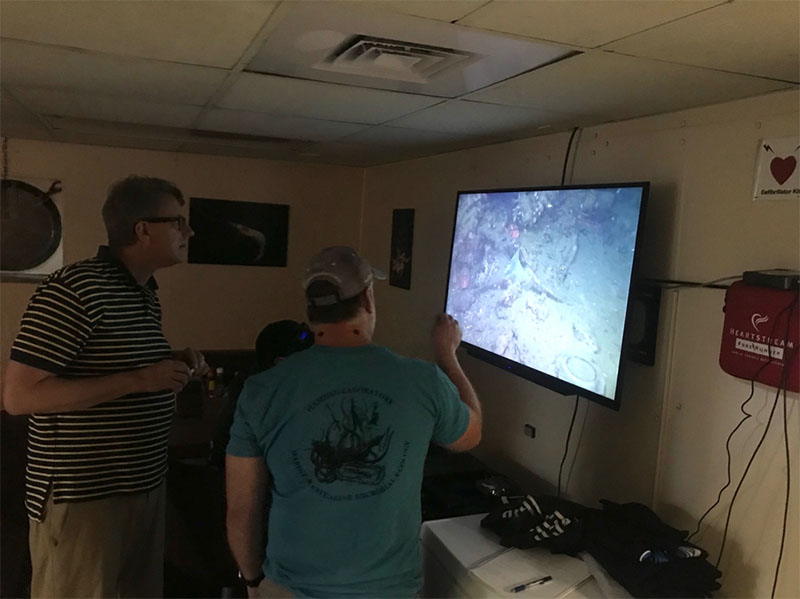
[142,231]
[369,300]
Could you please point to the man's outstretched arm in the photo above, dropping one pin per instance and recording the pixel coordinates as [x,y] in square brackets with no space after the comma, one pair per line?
[446,337]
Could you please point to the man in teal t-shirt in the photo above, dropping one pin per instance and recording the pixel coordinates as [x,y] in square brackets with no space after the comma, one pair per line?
[341,430]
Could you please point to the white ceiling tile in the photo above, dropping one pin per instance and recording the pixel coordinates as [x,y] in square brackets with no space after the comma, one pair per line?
[33,65]
[91,131]
[116,141]
[475,118]
[751,37]
[614,87]
[366,154]
[17,121]
[326,101]
[264,151]
[384,135]
[667,56]
[49,101]
[259,123]
[585,23]
[112,128]
[202,33]
[449,10]
[383,143]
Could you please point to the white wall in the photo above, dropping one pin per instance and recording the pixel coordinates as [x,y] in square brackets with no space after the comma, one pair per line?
[666,447]
[206,306]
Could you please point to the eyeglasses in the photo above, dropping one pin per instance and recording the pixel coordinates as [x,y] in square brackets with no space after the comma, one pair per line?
[178,222]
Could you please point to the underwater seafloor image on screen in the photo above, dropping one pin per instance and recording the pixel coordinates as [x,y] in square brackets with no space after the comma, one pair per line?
[542,278]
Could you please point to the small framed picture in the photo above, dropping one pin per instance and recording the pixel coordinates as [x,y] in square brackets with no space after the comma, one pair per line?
[244,233]
[402,242]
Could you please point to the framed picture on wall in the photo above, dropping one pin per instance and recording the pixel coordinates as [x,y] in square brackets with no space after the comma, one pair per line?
[243,233]
[402,242]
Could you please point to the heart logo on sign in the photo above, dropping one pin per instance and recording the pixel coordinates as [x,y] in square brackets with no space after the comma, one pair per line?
[782,168]
[757,319]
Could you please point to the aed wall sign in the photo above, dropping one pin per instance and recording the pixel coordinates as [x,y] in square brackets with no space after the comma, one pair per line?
[777,172]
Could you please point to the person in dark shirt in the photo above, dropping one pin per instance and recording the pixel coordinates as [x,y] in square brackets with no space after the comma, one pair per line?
[277,341]
[280,340]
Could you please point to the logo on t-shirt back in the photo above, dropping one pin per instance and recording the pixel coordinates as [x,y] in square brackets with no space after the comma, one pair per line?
[351,452]
[353,444]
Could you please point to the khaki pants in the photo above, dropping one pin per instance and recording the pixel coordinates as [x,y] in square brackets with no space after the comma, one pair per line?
[105,548]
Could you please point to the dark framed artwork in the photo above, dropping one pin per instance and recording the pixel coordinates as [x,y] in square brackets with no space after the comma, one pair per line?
[243,233]
[402,242]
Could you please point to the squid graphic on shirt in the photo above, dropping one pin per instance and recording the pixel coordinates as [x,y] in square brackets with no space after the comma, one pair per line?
[352,446]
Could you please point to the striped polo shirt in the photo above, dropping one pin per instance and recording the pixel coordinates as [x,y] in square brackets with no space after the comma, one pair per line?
[89,319]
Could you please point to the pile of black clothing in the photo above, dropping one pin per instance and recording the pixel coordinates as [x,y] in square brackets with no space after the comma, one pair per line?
[642,553]
[526,522]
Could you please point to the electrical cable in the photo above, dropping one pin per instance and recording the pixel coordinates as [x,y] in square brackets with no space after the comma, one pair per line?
[781,385]
[672,284]
[785,381]
[788,491]
[566,155]
[747,415]
[566,445]
[744,475]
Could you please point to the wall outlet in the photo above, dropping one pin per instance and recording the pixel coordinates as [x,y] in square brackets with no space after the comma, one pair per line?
[530,431]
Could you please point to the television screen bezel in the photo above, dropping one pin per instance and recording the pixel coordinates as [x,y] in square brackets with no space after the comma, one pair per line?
[532,374]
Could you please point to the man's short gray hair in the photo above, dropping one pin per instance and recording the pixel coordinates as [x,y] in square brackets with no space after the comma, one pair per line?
[131,200]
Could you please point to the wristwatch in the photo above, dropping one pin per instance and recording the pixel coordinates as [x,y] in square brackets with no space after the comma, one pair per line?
[252,582]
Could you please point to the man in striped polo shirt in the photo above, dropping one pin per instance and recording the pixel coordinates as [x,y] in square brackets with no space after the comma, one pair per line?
[92,368]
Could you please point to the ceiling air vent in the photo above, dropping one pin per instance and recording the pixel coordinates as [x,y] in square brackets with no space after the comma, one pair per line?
[391,59]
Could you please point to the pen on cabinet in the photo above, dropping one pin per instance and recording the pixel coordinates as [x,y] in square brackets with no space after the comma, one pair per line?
[524,585]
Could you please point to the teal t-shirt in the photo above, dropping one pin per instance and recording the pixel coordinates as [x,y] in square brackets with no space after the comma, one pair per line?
[344,432]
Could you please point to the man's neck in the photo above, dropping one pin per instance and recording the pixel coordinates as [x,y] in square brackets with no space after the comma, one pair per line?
[353,333]
[140,269]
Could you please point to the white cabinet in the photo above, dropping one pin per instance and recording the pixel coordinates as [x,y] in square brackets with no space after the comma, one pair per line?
[455,552]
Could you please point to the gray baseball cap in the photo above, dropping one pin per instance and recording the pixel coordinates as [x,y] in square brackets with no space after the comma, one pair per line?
[343,268]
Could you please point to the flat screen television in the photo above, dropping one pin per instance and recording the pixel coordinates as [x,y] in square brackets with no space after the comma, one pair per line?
[540,281]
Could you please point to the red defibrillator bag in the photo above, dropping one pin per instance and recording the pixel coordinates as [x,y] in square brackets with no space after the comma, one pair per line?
[761,334]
